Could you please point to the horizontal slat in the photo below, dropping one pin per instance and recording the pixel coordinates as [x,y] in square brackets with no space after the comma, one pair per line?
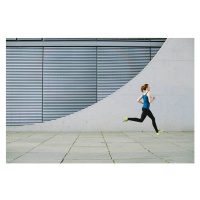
[107,43]
[91,39]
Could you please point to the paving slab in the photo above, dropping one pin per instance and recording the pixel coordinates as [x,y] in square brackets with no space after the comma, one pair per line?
[49,144]
[89,144]
[51,149]
[162,147]
[40,157]
[134,147]
[88,153]
[88,161]
[177,157]
[140,160]
[12,155]
[131,154]
[20,147]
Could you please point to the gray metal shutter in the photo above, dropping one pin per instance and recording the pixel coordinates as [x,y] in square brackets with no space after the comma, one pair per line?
[69,77]
[51,78]
[23,85]
[118,65]
[154,51]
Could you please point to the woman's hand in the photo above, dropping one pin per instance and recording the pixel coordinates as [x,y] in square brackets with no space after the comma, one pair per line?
[149,97]
[138,100]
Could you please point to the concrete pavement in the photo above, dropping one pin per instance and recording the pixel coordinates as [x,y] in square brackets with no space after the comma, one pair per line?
[99,147]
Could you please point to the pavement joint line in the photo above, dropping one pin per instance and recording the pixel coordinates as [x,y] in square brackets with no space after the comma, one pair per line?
[88,146]
[146,148]
[70,148]
[173,134]
[135,158]
[170,142]
[88,159]
[35,147]
[178,145]
[12,133]
[107,148]
[22,138]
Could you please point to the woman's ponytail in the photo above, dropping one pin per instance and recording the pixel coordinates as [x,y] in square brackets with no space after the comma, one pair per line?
[144,87]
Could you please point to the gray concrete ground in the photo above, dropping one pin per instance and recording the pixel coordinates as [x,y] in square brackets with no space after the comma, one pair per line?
[100,147]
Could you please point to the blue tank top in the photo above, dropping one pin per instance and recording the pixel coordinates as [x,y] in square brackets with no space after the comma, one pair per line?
[146,101]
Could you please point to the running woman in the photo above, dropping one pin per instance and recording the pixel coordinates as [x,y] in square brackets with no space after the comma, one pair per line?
[145,108]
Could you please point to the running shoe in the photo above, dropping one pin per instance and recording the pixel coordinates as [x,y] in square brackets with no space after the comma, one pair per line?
[125,119]
[159,132]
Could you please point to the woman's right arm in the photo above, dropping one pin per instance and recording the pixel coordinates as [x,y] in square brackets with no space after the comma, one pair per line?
[138,100]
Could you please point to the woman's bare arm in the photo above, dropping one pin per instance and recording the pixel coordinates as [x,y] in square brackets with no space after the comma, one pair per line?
[138,100]
[149,97]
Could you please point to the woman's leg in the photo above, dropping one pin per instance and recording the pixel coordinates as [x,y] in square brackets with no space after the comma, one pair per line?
[143,116]
[153,120]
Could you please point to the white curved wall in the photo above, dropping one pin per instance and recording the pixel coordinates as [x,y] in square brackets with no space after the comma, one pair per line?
[171,78]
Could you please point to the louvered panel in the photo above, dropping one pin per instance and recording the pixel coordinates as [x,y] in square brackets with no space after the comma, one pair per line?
[154,52]
[23,85]
[118,65]
[69,77]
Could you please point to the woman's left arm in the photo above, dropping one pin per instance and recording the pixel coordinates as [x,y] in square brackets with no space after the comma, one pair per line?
[138,100]
[149,97]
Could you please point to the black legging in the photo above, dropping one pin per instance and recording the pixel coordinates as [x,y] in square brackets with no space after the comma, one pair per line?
[146,112]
